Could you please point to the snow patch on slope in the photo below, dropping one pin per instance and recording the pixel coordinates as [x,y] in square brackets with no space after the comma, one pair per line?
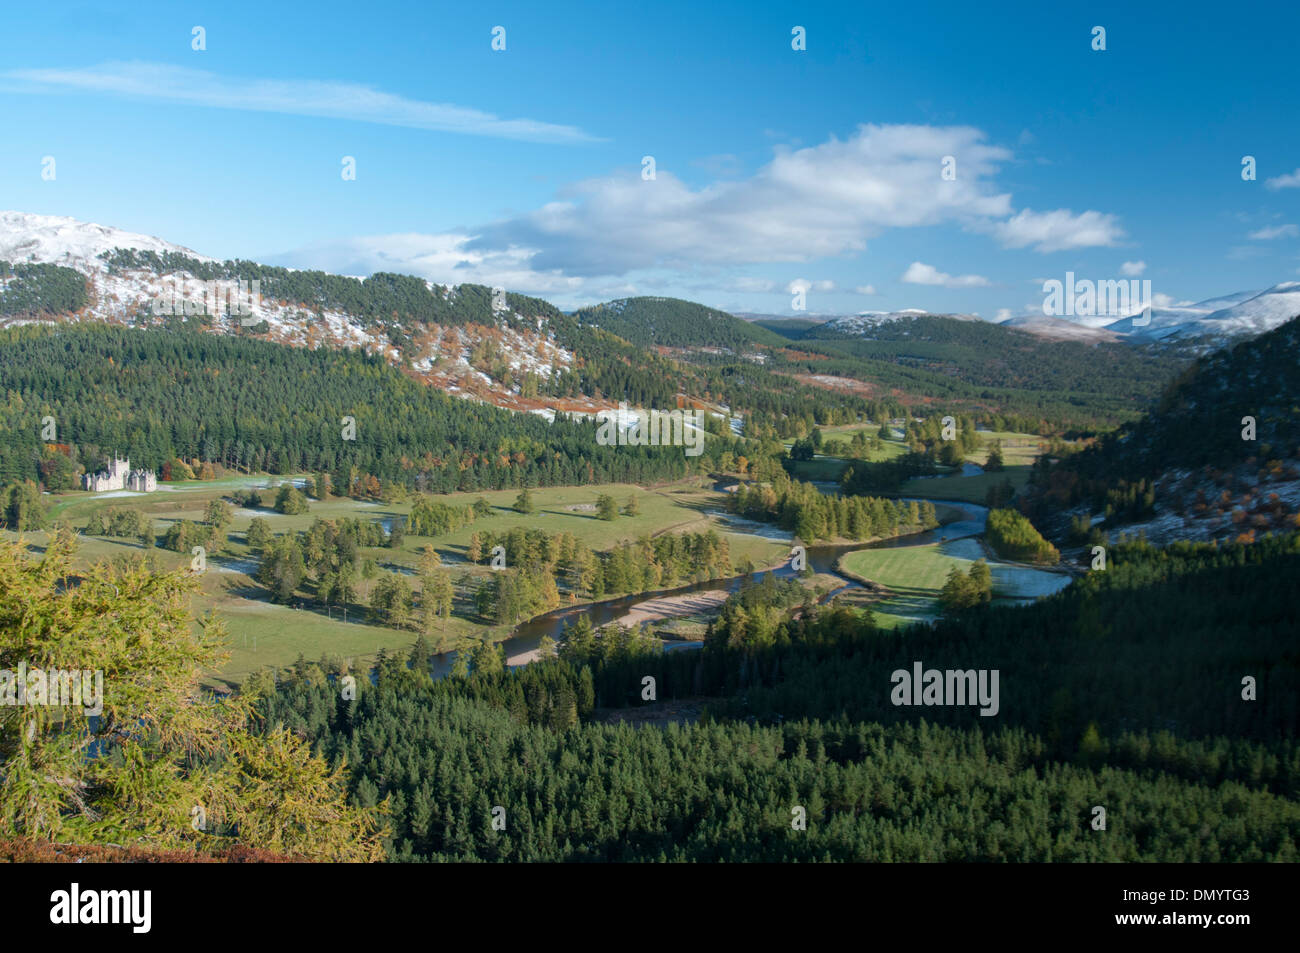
[58,240]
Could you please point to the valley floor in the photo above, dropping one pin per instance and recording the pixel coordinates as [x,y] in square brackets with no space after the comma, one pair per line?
[263,633]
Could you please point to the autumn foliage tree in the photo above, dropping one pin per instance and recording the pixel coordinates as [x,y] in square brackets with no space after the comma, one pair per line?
[160,766]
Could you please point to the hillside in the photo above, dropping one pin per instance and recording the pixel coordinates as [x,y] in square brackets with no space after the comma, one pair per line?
[255,406]
[510,350]
[1220,319]
[1198,419]
[674,323]
[456,338]
[523,354]
[1185,468]
[981,366]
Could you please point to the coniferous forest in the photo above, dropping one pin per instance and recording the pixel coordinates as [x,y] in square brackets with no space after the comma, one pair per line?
[259,407]
[1124,691]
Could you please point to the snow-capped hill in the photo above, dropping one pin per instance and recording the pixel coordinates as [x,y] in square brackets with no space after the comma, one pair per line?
[1234,315]
[1160,323]
[1264,312]
[1058,329]
[57,240]
[1210,305]
[859,324]
[455,358]
[1178,320]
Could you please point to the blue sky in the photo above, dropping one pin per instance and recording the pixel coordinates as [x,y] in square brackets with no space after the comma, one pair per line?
[523,167]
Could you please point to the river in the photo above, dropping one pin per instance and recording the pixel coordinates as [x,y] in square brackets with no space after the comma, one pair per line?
[957,521]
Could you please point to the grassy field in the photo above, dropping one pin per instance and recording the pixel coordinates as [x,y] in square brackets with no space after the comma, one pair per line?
[819,469]
[969,489]
[916,574]
[822,467]
[262,633]
[1018,452]
[1018,449]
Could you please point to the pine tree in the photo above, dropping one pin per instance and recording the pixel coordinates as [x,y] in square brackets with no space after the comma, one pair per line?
[420,653]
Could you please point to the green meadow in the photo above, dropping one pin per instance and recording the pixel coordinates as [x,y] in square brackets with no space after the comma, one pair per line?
[823,468]
[1018,453]
[1018,449]
[968,489]
[913,574]
[262,633]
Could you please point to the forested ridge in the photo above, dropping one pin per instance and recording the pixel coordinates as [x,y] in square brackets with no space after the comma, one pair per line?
[255,406]
[384,298]
[950,365]
[672,322]
[614,360]
[1198,418]
[978,365]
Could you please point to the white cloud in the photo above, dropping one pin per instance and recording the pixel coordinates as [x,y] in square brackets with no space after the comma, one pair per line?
[803,284]
[1058,230]
[335,100]
[806,204]
[866,290]
[446,259]
[1132,269]
[1003,314]
[1274,231]
[820,201]
[919,273]
[1291,181]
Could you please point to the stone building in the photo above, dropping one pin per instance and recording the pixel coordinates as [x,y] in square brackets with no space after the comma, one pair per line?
[120,476]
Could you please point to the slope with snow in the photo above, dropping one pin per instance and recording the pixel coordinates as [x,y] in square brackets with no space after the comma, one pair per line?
[1059,329]
[1264,312]
[127,297]
[1227,316]
[57,240]
[858,325]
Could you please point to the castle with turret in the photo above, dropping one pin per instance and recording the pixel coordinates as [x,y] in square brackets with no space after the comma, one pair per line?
[120,476]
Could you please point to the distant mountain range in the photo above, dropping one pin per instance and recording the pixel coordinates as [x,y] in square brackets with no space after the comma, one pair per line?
[511,351]
[1236,315]
[1244,313]
[26,237]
